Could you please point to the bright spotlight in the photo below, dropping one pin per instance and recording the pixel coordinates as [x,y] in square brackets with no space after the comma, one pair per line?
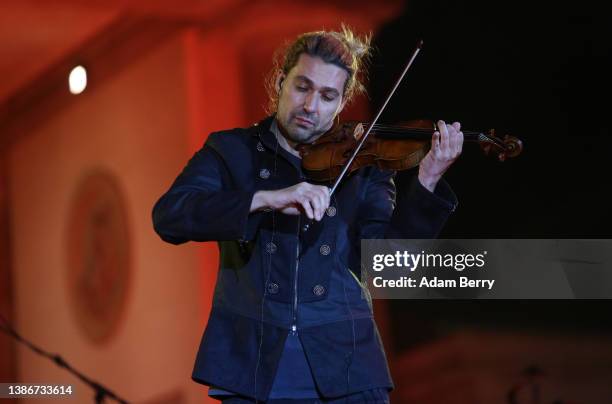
[77,80]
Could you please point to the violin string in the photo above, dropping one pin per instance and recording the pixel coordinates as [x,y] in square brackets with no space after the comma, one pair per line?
[383,125]
[427,130]
[400,129]
[400,132]
[468,137]
[418,131]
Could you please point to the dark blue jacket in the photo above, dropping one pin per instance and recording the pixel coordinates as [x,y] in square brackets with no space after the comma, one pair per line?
[274,276]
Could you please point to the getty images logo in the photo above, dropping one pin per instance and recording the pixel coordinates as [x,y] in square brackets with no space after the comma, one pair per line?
[411,261]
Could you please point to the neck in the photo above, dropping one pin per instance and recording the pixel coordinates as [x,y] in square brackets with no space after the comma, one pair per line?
[284,140]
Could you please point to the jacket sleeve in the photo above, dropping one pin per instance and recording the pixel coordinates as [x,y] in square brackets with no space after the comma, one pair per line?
[202,206]
[418,213]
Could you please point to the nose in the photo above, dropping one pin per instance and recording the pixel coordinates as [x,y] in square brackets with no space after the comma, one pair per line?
[311,102]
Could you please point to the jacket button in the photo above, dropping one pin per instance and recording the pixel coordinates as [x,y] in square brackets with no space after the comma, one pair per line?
[264,173]
[260,147]
[324,250]
[270,247]
[318,290]
[272,288]
[331,211]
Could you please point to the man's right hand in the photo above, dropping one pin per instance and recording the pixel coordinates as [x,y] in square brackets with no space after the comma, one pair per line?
[310,199]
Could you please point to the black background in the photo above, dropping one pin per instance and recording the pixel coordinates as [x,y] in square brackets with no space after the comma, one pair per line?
[537,71]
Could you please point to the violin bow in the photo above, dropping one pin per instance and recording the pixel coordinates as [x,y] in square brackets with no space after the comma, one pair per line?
[347,165]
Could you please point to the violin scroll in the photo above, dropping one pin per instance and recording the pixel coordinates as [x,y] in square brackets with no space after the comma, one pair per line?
[508,147]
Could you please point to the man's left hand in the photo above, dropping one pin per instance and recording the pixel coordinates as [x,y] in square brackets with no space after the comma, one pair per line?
[446,146]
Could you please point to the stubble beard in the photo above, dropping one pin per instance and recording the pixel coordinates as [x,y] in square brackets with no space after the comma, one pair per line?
[297,134]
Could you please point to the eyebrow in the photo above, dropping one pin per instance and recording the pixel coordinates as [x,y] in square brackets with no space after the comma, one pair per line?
[309,82]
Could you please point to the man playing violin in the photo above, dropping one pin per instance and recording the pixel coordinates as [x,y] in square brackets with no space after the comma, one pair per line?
[290,318]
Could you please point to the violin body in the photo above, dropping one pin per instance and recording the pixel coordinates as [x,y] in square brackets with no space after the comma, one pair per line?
[398,147]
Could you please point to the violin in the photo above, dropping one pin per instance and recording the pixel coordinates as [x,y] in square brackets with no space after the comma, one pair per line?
[348,147]
[390,147]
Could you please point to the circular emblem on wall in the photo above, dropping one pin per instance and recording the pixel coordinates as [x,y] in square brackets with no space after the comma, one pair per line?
[98,255]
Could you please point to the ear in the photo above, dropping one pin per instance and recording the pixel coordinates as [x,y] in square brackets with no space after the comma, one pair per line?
[278,84]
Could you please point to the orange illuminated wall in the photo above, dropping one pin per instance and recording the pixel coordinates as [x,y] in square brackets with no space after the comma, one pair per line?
[133,125]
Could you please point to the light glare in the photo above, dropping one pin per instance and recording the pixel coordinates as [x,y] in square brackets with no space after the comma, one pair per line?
[77,80]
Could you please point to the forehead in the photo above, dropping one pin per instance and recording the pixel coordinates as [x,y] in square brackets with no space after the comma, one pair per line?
[321,74]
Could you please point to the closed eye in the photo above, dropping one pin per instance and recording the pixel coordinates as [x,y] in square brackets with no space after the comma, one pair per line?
[328,98]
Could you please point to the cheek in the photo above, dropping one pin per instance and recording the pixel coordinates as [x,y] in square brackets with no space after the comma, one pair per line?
[284,106]
[291,102]
[329,111]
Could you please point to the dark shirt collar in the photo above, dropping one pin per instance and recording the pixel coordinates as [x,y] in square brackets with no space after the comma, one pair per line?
[268,139]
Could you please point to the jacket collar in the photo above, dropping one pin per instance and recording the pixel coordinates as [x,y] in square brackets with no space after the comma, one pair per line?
[268,139]
[265,133]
